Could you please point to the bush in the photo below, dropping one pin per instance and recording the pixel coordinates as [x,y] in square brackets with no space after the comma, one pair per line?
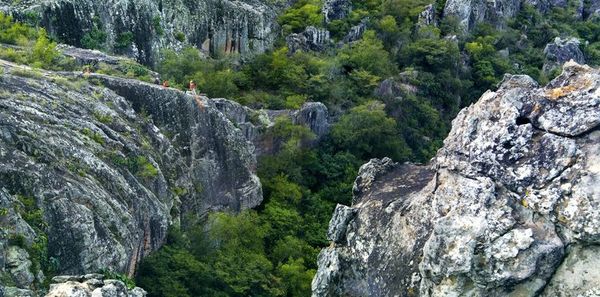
[304,13]
[367,132]
[180,36]
[96,37]
[123,40]
[44,51]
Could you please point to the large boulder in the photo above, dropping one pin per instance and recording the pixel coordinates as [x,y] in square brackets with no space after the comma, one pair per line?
[141,28]
[508,206]
[311,39]
[561,51]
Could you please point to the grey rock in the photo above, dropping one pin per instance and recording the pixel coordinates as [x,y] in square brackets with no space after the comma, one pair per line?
[16,292]
[367,174]
[67,278]
[593,10]
[313,115]
[577,274]
[506,208]
[85,57]
[356,32]
[427,16]
[92,287]
[561,51]
[471,12]
[337,226]
[395,87]
[111,163]
[311,39]
[336,9]
[244,27]
[137,292]
[19,266]
[254,123]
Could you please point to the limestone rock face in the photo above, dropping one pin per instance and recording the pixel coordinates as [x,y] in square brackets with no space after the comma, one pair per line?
[141,28]
[253,123]
[561,51]
[497,12]
[471,12]
[355,33]
[427,16]
[93,171]
[312,39]
[336,9]
[508,206]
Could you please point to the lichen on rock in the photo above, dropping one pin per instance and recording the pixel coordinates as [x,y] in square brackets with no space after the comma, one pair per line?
[506,208]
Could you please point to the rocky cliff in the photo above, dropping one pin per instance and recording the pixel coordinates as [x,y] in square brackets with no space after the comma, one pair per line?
[497,12]
[141,28]
[94,170]
[508,207]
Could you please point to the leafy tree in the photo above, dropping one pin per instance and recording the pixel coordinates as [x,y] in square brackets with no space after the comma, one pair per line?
[44,51]
[303,13]
[367,54]
[367,132]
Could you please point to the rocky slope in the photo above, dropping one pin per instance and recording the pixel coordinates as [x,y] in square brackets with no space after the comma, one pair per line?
[471,12]
[508,207]
[93,171]
[218,27]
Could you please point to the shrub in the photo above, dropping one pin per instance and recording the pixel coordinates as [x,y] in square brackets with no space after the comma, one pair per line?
[123,40]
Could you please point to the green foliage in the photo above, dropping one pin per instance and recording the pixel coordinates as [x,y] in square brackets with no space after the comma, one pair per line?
[366,131]
[123,40]
[138,165]
[272,251]
[108,274]
[302,14]
[180,36]
[367,54]
[96,37]
[157,26]
[44,52]
[95,136]
[13,32]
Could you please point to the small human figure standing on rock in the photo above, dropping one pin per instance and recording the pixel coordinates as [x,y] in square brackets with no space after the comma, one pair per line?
[87,71]
[192,87]
[165,84]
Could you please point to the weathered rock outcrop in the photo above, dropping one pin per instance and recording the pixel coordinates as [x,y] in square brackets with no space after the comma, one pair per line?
[93,171]
[141,28]
[336,9]
[471,12]
[254,123]
[91,285]
[311,39]
[561,51]
[508,206]
[497,12]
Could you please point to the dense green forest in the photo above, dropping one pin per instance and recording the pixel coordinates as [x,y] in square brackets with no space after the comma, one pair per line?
[272,250]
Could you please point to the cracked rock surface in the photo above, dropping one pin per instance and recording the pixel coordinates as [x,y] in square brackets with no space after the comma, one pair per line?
[508,207]
[93,171]
[243,27]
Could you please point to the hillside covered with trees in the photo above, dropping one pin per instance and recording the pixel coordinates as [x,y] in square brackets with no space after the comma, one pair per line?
[433,70]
